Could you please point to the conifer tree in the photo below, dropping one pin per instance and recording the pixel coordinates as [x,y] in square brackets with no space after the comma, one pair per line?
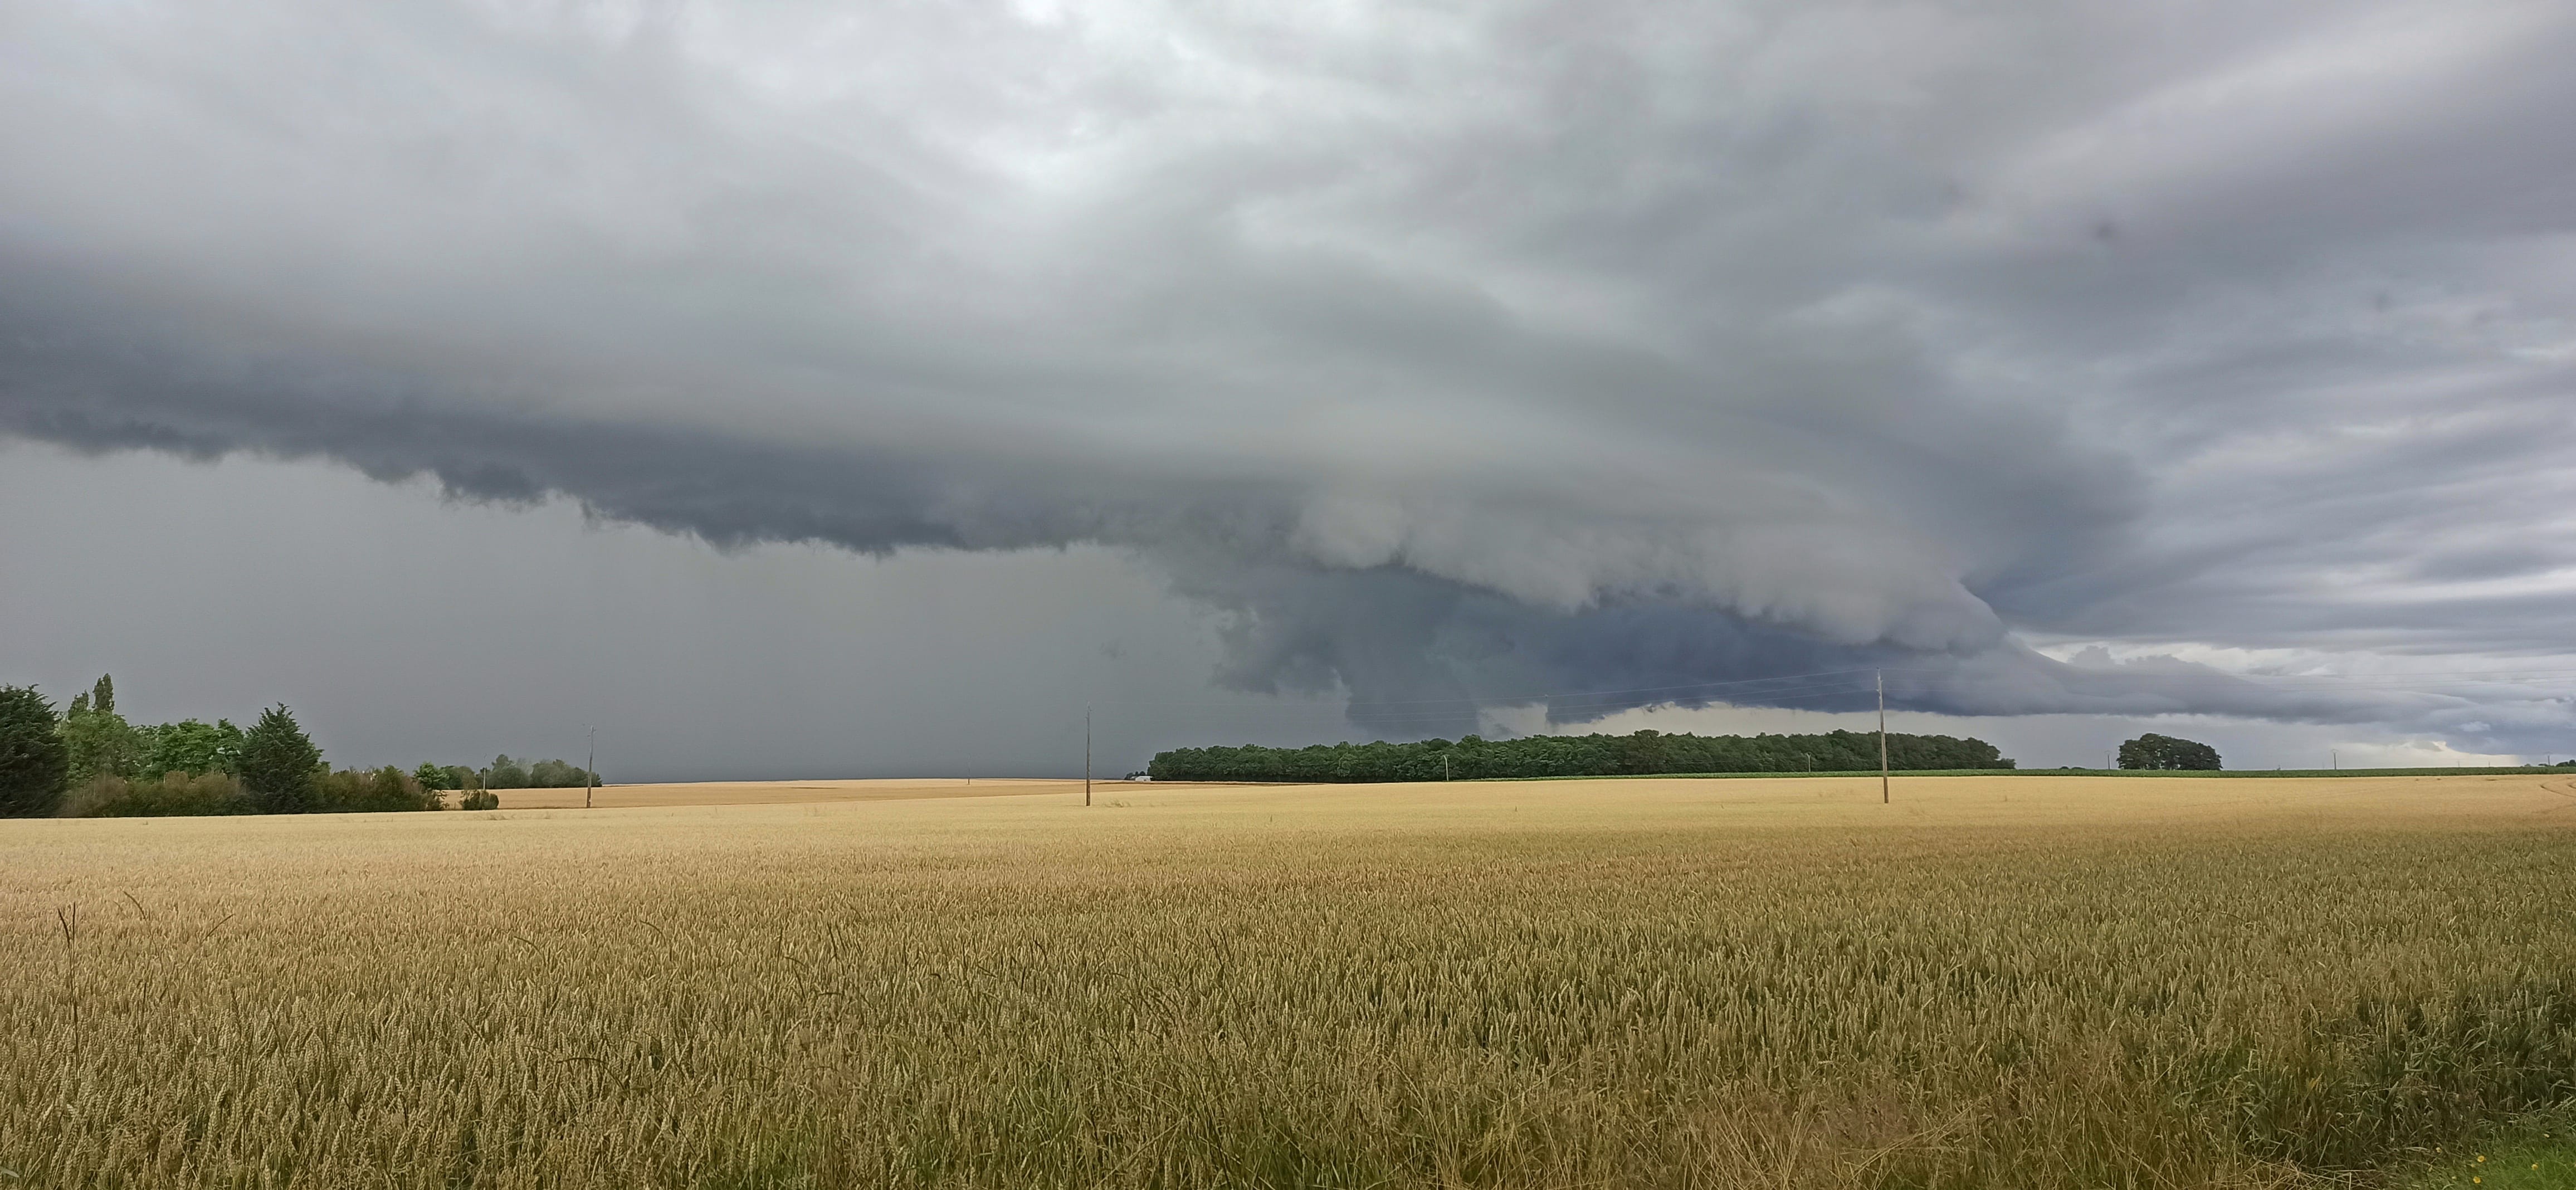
[34,765]
[279,763]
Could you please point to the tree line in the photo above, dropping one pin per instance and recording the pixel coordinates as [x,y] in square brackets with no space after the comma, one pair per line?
[1575,756]
[89,761]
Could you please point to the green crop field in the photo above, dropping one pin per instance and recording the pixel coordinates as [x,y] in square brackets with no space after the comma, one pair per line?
[2024,982]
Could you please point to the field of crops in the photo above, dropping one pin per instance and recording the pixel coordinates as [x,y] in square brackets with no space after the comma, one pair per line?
[2022,982]
[754,793]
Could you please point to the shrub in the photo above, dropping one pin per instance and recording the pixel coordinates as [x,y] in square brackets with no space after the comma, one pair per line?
[174,794]
[169,795]
[479,799]
[377,791]
[34,763]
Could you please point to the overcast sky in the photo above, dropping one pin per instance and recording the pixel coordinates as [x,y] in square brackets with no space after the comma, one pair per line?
[829,390]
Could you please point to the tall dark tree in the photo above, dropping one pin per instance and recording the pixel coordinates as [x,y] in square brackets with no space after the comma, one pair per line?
[2152,751]
[34,764]
[279,763]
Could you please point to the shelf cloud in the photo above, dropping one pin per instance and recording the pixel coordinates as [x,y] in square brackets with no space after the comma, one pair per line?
[1463,356]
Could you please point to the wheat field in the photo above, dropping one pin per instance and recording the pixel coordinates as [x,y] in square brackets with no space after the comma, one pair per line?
[1994,982]
[761,793]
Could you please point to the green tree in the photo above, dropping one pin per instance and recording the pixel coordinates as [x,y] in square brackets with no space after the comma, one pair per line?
[505,773]
[35,765]
[279,763]
[100,742]
[436,778]
[557,774]
[390,788]
[189,746]
[2152,751]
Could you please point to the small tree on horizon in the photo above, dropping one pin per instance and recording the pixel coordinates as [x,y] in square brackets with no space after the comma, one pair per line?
[2164,752]
[35,767]
[279,763]
[505,773]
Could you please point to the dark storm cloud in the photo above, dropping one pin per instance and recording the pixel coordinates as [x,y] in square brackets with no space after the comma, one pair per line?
[1465,356]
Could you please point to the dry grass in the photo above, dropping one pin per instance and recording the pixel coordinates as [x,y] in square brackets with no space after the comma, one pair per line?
[2031,981]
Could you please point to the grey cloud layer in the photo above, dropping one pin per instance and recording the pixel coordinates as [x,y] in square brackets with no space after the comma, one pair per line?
[1460,352]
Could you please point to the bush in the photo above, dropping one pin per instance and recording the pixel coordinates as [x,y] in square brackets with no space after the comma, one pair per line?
[34,763]
[2152,751]
[479,799]
[170,795]
[348,791]
[379,791]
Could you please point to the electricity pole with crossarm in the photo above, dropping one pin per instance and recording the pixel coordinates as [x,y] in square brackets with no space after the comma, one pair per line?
[1882,738]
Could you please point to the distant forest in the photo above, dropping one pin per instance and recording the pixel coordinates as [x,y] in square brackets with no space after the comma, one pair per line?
[89,761]
[1575,756]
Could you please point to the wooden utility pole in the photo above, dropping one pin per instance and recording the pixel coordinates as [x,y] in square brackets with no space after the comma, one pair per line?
[590,780]
[1882,738]
[1086,756]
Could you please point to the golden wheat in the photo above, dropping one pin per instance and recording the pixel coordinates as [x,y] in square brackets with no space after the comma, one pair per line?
[2030,981]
